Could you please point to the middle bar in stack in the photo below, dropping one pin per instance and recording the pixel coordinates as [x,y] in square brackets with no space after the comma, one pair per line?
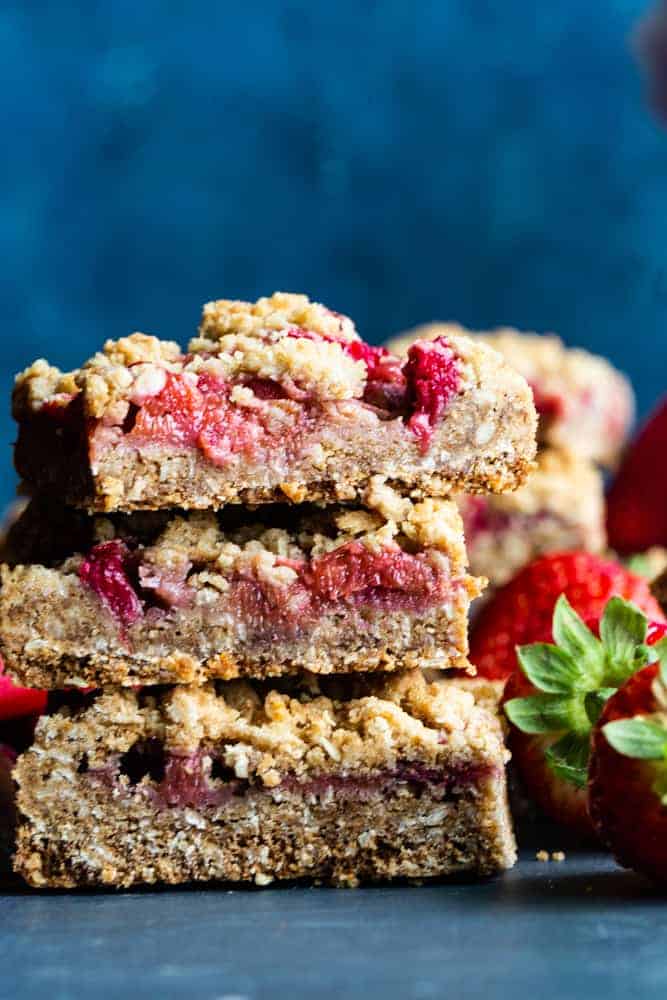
[276,399]
[178,597]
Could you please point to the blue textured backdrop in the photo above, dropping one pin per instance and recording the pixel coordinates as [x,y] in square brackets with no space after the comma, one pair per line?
[398,159]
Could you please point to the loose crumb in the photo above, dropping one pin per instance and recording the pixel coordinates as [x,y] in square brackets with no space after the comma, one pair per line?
[546,856]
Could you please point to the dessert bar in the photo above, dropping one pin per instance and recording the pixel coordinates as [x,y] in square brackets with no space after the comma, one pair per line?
[561,507]
[584,404]
[379,778]
[177,597]
[276,400]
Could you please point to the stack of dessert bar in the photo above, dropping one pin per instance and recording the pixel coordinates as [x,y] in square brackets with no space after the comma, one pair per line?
[585,410]
[234,566]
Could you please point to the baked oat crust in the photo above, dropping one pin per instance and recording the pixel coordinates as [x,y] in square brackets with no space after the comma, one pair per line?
[79,826]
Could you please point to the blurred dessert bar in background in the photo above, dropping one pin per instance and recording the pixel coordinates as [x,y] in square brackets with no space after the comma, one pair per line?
[560,507]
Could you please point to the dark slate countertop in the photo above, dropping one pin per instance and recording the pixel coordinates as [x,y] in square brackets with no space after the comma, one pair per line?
[580,928]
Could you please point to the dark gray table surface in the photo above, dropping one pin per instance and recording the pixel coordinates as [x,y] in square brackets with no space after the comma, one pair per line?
[581,928]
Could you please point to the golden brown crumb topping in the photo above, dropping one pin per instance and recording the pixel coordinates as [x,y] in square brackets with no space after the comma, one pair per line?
[317,728]
[284,338]
[236,339]
[277,313]
[201,540]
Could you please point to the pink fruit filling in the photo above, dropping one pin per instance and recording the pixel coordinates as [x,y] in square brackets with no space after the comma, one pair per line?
[192,411]
[106,571]
[200,779]
[433,378]
[352,574]
[354,570]
[200,414]
[386,385]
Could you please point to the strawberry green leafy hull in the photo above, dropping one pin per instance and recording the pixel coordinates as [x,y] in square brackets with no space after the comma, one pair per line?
[556,699]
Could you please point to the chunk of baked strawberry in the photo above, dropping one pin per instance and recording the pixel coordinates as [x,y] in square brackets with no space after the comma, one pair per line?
[433,378]
[521,612]
[556,697]
[627,783]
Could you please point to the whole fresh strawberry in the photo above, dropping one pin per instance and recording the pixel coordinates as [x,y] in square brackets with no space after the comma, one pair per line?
[521,612]
[556,697]
[637,500]
[627,784]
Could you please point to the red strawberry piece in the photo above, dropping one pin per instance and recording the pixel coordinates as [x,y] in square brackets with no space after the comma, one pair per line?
[637,501]
[521,612]
[627,783]
[555,698]
[433,379]
[106,570]
[18,701]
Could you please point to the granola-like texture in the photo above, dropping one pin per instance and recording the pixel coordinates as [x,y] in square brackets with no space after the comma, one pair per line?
[377,778]
[180,597]
[561,507]
[585,405]
[487,693]
[273,401]
[236,339]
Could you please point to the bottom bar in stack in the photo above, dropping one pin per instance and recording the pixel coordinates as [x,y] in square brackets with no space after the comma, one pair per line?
[336,780]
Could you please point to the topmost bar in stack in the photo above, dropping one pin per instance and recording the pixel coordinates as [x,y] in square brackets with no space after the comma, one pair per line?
[277,400]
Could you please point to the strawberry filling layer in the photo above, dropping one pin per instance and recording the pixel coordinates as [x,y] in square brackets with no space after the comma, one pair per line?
[197,411]
[201,779]
[16,702]
[351,575]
